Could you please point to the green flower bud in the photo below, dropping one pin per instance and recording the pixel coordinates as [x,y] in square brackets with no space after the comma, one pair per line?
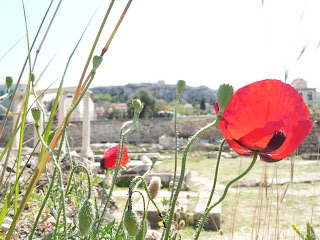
[32,77]
[86,216]
[142,231]
[131,222]
[181,84]
[137,104]
[154,161]
[97,60]
[51,135]
[9,81]
[225,93]
[36,114]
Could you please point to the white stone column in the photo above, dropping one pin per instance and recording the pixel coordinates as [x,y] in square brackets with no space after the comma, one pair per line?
[62,113]
[17,102]
[35,135]
[86,150]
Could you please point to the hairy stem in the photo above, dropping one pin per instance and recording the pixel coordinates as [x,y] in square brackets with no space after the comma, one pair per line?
[182,173]
[204,217]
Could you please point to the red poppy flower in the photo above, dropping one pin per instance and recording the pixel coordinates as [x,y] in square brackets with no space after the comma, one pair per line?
[109,159]
[268,116]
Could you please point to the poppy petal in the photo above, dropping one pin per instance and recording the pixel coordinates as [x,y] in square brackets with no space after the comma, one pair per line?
[110,157]
[266,158]
[259,138]
[231,141]
[294,139]
[268,116]
[257,104]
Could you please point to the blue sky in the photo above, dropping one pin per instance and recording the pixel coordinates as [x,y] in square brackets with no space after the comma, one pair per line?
[205,42]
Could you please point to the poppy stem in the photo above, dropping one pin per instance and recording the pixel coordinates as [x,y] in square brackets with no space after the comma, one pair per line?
[176,145]
[133,183]
[205,215]
[126,206]
[88,177]
[216,173]
[182,173]
[134,123]
[54,160]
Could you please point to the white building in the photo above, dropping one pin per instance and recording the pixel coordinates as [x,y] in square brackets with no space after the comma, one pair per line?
[309,95]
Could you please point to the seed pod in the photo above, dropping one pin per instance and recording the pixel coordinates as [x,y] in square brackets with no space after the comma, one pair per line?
[36,114]
[131,222]
[142,231]
[32,77]
[97,60]
[181,84]
[154,187]
[9,82]
[86,216]
[225,93]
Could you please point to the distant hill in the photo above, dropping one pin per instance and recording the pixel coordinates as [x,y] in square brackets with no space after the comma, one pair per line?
[163,91]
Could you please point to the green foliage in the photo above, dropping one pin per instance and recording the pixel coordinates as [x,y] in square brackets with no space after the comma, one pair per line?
[309,235]
[203,104]
[102,97]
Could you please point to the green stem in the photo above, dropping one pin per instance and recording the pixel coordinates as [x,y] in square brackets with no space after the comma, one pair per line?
[104,186]
[42,206]
[145,219]
[125,208]
[88,177]
[69,154]
[95,42]
[204,217]
[182,173]
[216,174]
[60,181]
[176,145]
[134,181]
[144,202]
[119,157]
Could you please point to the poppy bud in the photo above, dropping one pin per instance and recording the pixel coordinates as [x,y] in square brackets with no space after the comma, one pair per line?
[86,216]
[154,160]
[51,135]
[225,93]
[36,114]
[32,77]
[131,222]
[137,105]
[177,215]
[182,224]
[154,187]
[9,82]
[142,232]
[97,60]
[181,84]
